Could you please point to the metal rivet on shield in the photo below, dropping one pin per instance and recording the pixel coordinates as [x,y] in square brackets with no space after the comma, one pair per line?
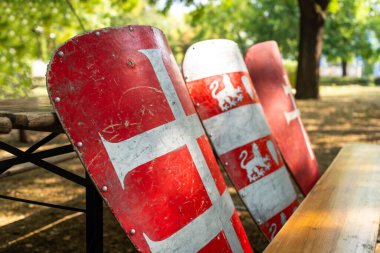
[79,144]
[60,53]
[226,163]
[197,104]
[104,188]
[57,99]
[97,33]
[133,231]
[130,28]
[130,63]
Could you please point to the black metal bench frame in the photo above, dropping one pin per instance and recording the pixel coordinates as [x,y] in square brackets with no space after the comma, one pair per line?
[94,202]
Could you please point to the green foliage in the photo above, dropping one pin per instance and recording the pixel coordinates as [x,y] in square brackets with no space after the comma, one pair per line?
[248,22]
[32,30]
[291,69]
[340,81]
[349,28]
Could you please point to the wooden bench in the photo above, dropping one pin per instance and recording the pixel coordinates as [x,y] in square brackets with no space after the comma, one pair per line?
[342,212]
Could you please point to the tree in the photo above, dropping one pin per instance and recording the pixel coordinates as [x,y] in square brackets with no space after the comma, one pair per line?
[32,30]
[312,20]
[265,19]
[348,31]
[248,22]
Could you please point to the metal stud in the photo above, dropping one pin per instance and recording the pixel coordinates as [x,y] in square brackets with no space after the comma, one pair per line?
[57,99]
[130,28]
[104,188]
[79,144]
[226,163]
[133,231]
[60,53]
[97,33]
[197,104]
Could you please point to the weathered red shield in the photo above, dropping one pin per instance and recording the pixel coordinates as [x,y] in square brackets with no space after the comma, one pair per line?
[221,89]
[273,88]
[122,100]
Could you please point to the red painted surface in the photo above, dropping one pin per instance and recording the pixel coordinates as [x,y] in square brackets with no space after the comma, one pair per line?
[206,105]
[206,94]
[110,89]
[269,78]
[233,159]
[274,225]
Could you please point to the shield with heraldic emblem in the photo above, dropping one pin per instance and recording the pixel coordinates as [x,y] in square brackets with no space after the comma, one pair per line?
[123,103]
[221,89]
[271,82]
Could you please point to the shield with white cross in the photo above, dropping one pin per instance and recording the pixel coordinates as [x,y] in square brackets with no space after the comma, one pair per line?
[272,84]
[123,103]
[221,89]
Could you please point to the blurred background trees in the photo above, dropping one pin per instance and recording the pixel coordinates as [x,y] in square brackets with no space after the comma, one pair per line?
[31,30]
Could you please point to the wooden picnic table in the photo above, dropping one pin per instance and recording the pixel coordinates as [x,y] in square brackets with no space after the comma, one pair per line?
[29,114]
[37,114]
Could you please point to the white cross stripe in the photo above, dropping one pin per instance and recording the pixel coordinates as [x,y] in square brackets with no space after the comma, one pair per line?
[140,149]
[295,114]
[292,115]
[199,229]
[270,195]
[234,128]
[184,130]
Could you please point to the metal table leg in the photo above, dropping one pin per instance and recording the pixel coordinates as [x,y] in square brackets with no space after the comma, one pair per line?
[94,219]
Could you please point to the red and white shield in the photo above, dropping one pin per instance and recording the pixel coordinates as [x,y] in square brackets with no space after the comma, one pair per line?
[221,89]
[273,88]
[122,100]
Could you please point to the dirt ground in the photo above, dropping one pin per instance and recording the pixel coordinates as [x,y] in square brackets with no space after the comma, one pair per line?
[348,114]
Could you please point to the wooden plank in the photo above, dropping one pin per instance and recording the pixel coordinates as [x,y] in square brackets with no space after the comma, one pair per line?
[5,125]
[33,104]
[37,121]
[30,114]
[342,212]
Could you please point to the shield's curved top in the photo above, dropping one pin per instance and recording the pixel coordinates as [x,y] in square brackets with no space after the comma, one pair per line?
[272,85]
[123,103]
[221,89]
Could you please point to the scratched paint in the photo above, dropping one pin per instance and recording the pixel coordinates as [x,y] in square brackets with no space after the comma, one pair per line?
[272,84]
[142,139]
[221,89]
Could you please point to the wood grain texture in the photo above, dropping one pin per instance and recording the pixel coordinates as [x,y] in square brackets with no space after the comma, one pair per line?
[342,212]
[30,114]
[37,121]
[5,125]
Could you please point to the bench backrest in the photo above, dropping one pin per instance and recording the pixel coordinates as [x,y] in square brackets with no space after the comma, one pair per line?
[123,103]
[221,89]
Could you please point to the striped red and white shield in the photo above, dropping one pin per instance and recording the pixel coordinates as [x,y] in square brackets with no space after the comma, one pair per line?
[221,89]
[123,103]
[272,84]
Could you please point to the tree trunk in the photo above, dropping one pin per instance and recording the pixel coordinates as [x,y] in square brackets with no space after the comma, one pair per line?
[344,67]
[312,20]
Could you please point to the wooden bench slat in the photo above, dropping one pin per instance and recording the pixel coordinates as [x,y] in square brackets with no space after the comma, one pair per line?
[5,125]
[39,121]
[342,212]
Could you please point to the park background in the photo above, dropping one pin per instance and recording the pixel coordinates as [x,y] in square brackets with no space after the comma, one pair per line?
[330,49]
